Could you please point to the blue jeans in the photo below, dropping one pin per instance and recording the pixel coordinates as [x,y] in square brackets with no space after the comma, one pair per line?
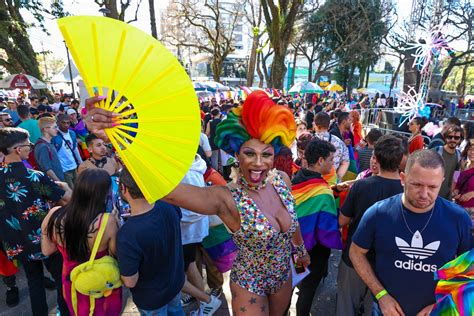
[376,311]
[173,308]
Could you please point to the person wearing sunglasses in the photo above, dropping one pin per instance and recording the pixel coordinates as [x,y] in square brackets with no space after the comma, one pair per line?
[452,158]
[5,120]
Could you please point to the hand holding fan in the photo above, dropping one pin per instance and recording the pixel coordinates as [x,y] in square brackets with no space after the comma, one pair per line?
[157,132]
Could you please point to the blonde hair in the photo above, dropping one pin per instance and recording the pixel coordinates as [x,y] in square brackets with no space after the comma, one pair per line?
[46,122]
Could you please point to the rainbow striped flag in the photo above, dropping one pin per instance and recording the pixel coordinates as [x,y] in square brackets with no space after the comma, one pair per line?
[220,247]
[455,290]
[353,170]
[317,213]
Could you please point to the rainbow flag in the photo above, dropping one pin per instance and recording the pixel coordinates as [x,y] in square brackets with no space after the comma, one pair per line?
[455,290]
[220,247]
[353,170]
[317,213]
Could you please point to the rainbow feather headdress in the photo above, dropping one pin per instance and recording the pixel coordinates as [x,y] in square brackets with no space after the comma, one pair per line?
[260,118]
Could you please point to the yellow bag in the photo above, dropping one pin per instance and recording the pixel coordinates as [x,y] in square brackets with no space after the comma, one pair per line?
[95,278]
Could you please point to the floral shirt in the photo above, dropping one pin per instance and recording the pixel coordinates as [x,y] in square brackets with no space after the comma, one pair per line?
[342,152]
[24,196]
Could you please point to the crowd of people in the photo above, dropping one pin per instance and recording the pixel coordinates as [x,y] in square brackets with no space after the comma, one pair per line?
[276,185]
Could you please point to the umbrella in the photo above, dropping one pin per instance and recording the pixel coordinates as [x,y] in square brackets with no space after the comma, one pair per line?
[216,86]
[21,81]
[370,91]
[306,87]
[334,87]
[199,86]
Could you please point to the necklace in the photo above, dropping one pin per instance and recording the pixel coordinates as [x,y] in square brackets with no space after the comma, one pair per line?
[416,234]
[244,183]
[99,163]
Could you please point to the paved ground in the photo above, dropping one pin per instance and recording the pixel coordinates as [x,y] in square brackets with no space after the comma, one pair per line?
[323,304]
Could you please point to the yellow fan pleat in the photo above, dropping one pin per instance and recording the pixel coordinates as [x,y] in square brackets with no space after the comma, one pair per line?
[158,131]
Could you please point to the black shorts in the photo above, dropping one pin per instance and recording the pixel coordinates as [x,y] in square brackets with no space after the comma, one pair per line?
[189,254]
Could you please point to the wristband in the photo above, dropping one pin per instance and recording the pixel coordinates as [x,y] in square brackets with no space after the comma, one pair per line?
[301,251]
[381,294]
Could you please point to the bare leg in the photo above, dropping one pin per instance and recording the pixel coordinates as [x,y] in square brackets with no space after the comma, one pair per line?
[280,301]
[194,276]
[247,303]
[195,292]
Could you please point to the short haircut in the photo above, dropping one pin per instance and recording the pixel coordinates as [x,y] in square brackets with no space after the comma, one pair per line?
[404,144]
[322,119]
[389,152]
[453,120]
[10,136]
[33,98]
[342,117]
[90,138]
[23,111]
[318,149]
[303,141]
[453,129]
[127,180]
[215,112]
[373,136]
[426,158]
[62,117]
[46,121]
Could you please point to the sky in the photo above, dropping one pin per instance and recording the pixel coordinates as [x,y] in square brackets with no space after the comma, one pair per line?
[54,41]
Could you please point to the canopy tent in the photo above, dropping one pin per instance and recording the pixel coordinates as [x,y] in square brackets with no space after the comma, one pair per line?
[306,87]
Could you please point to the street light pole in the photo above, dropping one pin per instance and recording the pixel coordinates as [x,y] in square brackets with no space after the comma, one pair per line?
[70,71]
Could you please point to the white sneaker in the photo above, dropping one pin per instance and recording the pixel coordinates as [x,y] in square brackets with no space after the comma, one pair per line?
[211,307]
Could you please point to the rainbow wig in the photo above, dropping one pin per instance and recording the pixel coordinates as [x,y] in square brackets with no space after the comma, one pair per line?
[259,117]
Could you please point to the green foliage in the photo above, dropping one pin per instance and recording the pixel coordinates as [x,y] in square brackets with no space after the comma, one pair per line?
[350,32]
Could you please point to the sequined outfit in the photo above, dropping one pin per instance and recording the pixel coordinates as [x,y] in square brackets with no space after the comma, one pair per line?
[262,265]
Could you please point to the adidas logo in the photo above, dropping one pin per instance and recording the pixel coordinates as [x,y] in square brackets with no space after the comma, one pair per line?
[416,249]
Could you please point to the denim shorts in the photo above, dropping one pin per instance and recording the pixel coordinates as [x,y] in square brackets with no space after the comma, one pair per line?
[173,308]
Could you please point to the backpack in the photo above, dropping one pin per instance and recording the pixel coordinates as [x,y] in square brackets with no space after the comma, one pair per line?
[31,155]
[95,278]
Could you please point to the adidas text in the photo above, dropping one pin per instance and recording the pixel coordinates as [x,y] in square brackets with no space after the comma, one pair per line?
[418,266]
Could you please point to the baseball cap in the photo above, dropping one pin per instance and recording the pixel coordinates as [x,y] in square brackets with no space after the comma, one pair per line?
[71,111]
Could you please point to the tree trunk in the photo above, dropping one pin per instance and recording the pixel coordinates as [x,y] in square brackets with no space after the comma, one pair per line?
[310,71]
[462,85]
[278,69]
[259,71]
[367,75]
[252,61]
[394,76]
[362,72]
[111,6]
[216,67]
[293,73]
[265,69]
[154,32]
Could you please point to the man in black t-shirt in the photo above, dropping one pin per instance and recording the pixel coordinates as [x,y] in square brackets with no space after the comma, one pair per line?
[150,253]
[388,152]
[211,133]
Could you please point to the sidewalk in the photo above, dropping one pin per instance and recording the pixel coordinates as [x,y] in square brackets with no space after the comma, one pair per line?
[324,304]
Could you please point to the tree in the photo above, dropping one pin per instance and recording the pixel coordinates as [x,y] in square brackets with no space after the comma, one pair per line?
[110,8]
[460,16]
[206,27]
[280,17]
[254,18]
[19,55]
[50,63]
[350,32]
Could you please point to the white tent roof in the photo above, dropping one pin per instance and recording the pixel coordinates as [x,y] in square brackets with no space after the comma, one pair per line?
[63,75]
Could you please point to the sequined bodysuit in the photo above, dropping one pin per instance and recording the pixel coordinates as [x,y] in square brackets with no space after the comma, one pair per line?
[262,265]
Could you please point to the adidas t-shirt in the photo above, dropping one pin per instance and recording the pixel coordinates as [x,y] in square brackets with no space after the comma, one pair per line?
[404,260]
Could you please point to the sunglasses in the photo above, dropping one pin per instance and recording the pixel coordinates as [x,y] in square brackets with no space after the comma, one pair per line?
[8,120]
[453,137]
[30,145]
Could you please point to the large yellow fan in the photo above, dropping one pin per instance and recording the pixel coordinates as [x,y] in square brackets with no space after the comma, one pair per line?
[158,132]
